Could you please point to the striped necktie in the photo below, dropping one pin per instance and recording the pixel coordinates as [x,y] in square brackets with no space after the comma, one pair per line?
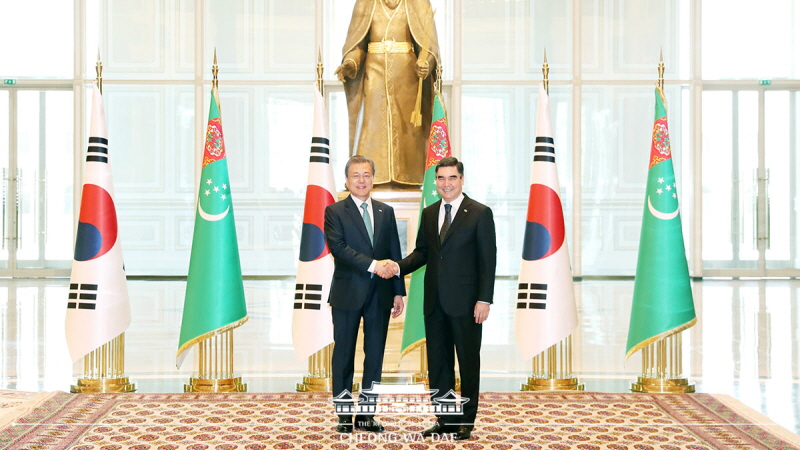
[447,221]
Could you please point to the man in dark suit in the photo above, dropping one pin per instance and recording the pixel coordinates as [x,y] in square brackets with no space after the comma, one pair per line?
[361,232]
[456,239]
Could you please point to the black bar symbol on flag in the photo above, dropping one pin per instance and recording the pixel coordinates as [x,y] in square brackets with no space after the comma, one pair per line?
[82,296]
[320,150]
[544,151]
[98,150]
[311,293]
[532,291]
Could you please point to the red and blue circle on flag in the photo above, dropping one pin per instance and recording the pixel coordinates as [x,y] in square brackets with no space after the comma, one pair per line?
[312,238]
[97,224]
[544,228]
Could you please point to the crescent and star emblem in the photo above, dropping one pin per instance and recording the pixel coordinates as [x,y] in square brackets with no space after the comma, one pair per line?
[212,217]
[661,215]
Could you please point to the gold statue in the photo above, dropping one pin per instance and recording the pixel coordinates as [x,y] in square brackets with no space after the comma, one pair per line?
[390,51]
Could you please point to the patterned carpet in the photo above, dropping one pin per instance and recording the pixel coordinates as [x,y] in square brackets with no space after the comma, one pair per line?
[573,420]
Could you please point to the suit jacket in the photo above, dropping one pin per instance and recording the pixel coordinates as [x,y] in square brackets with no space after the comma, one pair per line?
[461,270]
[352,253]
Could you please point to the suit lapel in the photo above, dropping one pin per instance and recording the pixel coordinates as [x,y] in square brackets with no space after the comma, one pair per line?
[461,217]
[434,223]
[355,214]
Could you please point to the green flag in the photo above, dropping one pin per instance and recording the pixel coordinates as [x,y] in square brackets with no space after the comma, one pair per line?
[438,148]
[215,299]
[662,296]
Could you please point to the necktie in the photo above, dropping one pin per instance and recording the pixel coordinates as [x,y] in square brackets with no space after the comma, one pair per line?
[446,224]
[367,221]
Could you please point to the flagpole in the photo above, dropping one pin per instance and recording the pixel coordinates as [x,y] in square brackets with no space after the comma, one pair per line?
[552,368]
[215,371]
[215,367]
[320,69]
[319,376]
[421,377]
[546,73]
[662,360]
[99,70]
[215,72]
[104,367]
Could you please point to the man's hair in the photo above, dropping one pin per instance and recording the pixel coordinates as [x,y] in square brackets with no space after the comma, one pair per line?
[451,161]
[358,159]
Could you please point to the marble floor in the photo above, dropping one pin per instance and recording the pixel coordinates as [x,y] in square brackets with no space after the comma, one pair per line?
[746,343]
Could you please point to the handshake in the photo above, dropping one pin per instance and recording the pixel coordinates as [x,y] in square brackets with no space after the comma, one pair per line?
[387,268]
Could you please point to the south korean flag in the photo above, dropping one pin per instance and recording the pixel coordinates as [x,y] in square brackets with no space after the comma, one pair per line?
[545,305]
[98,309]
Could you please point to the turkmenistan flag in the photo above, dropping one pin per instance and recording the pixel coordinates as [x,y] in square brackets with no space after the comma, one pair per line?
[662,296]
[215,300]
[438,148]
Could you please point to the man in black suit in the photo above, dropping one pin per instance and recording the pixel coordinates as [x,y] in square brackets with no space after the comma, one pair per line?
[360,233]
[456,239]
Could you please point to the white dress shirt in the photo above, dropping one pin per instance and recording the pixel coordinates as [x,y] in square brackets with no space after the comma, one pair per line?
[456,204]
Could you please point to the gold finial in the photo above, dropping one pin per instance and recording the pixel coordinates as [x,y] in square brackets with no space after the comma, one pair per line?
[546,73]
[215,71]
[99,69]
[661,70]
[439,78]
[319,71]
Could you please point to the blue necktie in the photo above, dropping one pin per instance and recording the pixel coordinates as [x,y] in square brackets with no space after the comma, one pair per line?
[368,224]
[367,221]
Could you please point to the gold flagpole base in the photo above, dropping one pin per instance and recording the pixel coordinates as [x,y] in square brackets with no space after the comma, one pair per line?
[215,385]
[421,378]
[102,385]
[314,384]
[396,378]
[552,384]
[319,384]
[663,385]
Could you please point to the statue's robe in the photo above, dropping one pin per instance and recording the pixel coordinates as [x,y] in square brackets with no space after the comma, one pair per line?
[382,96]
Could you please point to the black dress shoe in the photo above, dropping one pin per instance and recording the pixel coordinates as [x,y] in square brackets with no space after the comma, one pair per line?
[462,433]
[368,423]
[345,425]
[437,428]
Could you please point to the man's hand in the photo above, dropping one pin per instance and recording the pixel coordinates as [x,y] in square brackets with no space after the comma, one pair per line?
[481,312]
[387,268]
[423,69]
[347,70]
[398,306]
